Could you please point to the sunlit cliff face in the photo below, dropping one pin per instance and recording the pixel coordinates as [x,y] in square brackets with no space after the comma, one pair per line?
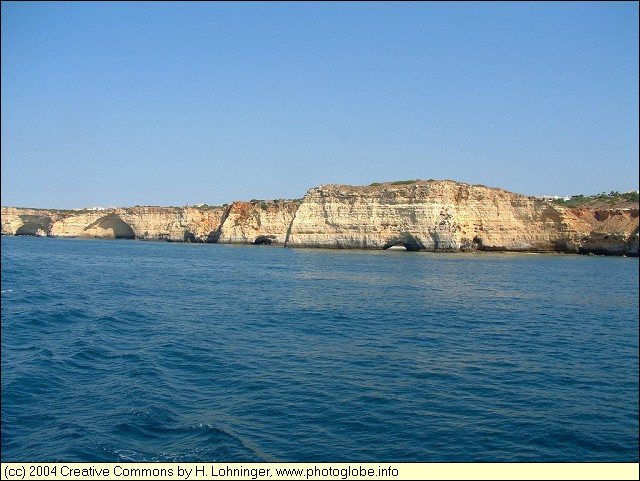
[439,216]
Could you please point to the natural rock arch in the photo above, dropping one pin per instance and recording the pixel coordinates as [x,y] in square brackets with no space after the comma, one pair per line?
[32,228]
[110,227]
[408,241]
[264,240]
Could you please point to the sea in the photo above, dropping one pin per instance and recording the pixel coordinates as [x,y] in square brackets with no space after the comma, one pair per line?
[122,350]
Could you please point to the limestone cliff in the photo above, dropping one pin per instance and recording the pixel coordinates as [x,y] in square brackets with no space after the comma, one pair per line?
[611,231]
[35,222]
[177,224]
[440,216]
[260,222]
[445,216]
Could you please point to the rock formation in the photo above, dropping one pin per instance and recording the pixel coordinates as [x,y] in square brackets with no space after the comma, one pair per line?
[178,224]
[446,216]
[439,216]
[258,222]
[611,231]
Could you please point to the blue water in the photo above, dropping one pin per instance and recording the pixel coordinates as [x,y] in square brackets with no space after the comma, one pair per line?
[139,351]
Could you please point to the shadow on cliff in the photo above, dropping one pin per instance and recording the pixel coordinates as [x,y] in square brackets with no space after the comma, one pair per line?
[264,240]
[214,235]
[34,225]
[111,222]
[406,240]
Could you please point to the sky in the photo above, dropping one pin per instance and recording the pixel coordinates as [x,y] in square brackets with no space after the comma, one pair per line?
[171,104]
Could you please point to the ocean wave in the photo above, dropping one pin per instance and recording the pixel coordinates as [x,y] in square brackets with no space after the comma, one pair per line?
[204,442]
[440,360]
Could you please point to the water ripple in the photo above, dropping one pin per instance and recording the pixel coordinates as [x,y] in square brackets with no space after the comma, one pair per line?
[172,352]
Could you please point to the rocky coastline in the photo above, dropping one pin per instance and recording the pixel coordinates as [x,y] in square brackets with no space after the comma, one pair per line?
[436,216]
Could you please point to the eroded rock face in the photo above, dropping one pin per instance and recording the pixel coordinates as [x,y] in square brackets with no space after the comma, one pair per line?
[612,231]
[442,216]
[175,224]
[147,223]
[258,222]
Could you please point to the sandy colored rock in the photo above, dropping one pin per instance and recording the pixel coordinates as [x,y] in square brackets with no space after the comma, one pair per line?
[176,224]
[442,216]
[439,216]
[262,222]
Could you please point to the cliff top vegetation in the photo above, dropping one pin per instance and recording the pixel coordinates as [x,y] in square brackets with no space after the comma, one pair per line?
[613,199]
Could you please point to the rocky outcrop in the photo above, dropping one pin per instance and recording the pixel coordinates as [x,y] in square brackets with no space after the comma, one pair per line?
[36,222]
[445,216]
[176,224]
[188,224]
[438,216]
[259,222]
[611,231]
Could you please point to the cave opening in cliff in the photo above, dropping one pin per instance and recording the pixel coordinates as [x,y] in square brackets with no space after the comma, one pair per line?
[264,240]
[110,227]
[397,247]
[405,241]
[31,228]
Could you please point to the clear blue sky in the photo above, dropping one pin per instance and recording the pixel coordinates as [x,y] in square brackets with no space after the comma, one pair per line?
[180,103]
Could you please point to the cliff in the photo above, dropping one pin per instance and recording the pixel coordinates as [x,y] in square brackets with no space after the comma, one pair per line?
[439,216]
[178,224]
[261,222]
[611,231]
[446,216]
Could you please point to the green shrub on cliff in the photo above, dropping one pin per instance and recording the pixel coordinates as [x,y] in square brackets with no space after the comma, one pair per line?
[611,199]
[404,182]
[396,182]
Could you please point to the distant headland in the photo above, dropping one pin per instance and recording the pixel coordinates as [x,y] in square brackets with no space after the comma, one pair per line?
[416,215]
